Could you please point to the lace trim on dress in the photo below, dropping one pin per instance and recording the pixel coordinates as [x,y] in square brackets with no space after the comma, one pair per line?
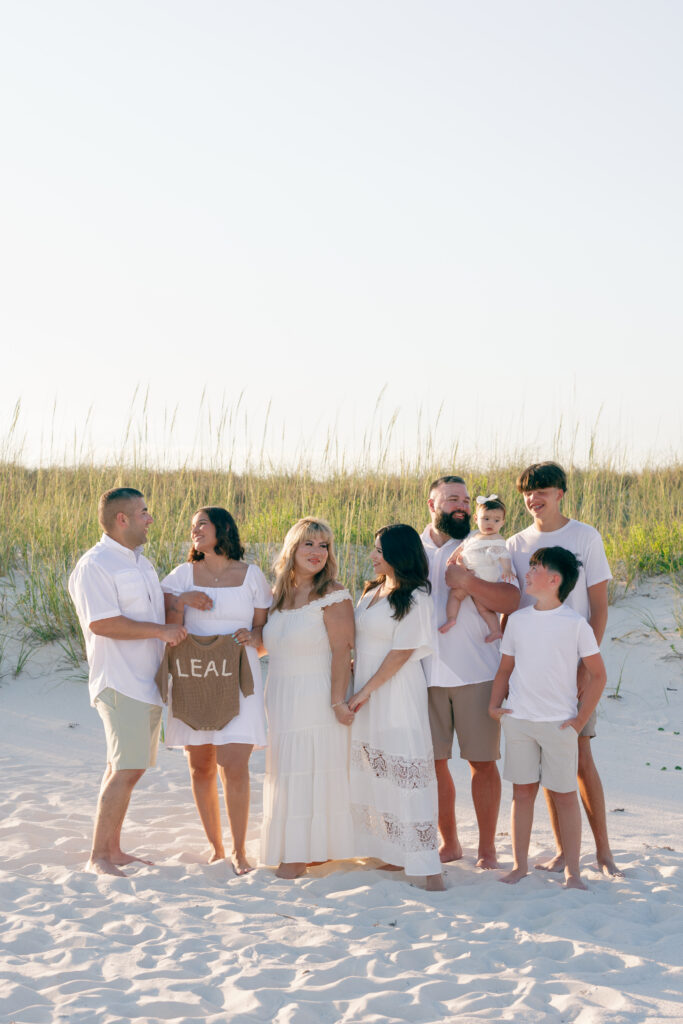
[411,837]
[334,598]
[404,772]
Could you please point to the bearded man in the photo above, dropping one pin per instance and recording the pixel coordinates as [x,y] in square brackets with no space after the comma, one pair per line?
[461,670]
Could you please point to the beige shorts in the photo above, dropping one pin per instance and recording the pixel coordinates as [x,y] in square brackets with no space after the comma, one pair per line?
[132,730]
[540,752]
[589,729]
[465,711]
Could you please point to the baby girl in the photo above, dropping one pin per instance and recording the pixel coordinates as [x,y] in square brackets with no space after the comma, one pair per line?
[483,552]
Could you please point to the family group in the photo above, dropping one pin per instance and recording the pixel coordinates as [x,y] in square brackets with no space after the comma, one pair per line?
[457,633]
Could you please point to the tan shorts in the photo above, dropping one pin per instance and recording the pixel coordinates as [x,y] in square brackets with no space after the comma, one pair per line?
[465,711]
[132,730]
[540,752]
[589,729]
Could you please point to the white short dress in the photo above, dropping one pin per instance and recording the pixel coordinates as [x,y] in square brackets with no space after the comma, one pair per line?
[233,608]
[483,555]
[393,782]
[306,806]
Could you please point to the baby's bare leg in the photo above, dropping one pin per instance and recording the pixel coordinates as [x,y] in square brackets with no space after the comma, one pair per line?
[491,620]
[455,599]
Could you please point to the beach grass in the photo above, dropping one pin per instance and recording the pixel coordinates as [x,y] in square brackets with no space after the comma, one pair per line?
[48,516]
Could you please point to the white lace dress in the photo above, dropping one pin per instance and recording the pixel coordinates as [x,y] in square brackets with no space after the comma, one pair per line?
[233,608]
[306,806]
[393,783]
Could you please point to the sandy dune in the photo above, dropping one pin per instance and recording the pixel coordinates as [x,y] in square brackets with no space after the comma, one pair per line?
[184,941]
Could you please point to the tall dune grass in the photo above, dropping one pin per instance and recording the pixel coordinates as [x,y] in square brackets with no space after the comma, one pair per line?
[48,515]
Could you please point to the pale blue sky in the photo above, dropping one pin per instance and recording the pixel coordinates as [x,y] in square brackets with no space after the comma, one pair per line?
[476,205]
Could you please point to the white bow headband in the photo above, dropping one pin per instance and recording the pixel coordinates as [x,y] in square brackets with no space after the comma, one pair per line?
[481,500]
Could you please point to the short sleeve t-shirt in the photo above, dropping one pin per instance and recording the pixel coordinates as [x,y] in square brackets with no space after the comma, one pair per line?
[546,646]
[111,580]
[461,656]
[582,540]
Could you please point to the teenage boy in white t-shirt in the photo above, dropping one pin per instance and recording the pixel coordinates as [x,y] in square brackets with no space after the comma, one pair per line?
[543,486]
[539,653]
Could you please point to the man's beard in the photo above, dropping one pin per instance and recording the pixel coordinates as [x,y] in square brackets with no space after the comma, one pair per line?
[458,528]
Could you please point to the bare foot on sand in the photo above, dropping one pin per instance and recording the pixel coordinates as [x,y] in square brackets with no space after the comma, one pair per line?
[240,864]
[449,853]
[289,871]
[488,861]
[573,882]
[608,867]
[122,858]
[389,867]
[216,856]
[555,863]
[514,876]
[102,866]
[435,883]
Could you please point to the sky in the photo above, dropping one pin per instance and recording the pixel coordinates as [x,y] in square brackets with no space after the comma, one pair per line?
[280,230]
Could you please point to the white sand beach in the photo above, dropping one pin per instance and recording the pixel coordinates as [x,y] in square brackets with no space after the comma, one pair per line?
[183,941]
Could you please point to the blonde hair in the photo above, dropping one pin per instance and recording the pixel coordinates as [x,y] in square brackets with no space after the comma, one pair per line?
[306,529]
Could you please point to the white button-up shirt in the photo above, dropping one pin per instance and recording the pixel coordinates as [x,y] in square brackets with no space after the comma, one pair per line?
[461,655]
[111,580]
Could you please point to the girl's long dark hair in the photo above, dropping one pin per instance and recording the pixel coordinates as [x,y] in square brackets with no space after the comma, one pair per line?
[402,549]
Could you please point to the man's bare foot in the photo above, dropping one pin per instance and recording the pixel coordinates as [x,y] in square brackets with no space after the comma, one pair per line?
[514,876]
[435,883]
[289,871]
[448,625]
[389,867]
[451,852]
[608,867]
[122,858]
[496,634]
[240,864]
[488,861]
[317,863]
[573,882]
[555,863]
[102,866]
[216,856]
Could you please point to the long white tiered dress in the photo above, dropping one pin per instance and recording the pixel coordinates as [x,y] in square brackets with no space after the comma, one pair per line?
[233,608]
[393,783]
[306,806]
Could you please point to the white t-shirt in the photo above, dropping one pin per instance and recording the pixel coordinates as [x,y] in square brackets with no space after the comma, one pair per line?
[111,580]
[546,647]
[461,656]
[582,540]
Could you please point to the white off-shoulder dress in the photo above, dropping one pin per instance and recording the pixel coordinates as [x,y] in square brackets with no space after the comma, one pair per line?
[393,782]
[233,608]
[306,805]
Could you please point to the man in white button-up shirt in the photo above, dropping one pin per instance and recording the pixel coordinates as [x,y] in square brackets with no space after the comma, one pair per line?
[120,608]
[461,672]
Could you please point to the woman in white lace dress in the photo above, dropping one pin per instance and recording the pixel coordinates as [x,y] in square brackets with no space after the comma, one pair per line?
[393,783]
[309,637]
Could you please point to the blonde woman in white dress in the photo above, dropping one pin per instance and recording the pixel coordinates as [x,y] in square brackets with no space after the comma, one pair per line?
[215,593]
[309,636]
[393,782]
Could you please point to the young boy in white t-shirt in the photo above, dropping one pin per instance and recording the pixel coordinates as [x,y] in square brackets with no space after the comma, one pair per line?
[540,650]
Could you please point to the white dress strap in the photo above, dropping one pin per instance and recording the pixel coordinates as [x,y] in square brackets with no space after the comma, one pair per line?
[334,597]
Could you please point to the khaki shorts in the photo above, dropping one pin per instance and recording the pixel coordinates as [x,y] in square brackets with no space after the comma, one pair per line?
[132,730]
[465,711]
[540,752]
[589,729]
